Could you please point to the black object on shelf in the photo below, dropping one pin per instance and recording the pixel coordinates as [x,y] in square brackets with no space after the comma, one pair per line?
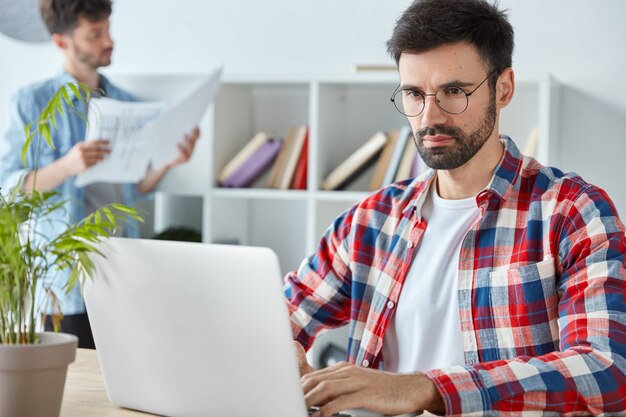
[180,233]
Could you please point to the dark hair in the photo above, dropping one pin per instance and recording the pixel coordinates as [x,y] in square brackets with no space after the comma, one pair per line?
[428,24]
[61,16]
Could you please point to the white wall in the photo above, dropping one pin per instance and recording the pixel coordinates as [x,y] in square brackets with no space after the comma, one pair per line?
[580,42]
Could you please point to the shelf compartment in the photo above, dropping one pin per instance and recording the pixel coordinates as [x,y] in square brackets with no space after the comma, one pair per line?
[279,225]
[349,114]
[244,109]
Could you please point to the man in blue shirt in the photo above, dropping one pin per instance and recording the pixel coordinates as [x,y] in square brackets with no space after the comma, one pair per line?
[80,29]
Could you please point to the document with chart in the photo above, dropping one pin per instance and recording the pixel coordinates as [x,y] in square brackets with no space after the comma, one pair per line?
[120,123]
[142,134]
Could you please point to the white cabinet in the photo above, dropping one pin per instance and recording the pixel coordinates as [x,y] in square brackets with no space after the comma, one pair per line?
[341,114]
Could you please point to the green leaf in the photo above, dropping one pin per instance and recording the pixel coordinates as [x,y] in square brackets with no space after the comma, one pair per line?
[72,280]
[58,105]
[66,97]
[86,90]
[85,261]
[75,90]
[109,215]
[53,121]
[128,211]
[27,143]
[27,129]
[47,136]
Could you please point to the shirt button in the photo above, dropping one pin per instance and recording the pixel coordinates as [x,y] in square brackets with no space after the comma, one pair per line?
[366,363]
[410,244]
[390,305]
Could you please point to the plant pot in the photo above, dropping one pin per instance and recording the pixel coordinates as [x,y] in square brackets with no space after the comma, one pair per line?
[32,377]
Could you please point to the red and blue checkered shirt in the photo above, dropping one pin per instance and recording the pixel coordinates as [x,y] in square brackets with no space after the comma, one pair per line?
[542,287]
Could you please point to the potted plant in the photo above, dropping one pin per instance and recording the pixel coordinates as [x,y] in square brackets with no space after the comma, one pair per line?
[33,365]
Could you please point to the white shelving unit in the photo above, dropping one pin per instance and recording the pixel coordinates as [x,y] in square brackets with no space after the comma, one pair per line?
[341,112]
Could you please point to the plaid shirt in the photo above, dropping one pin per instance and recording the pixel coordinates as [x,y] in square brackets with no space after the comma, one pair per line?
[541,290]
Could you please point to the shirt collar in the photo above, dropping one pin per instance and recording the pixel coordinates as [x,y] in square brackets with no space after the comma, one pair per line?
[65,77]
[507,170]
[420,191]
[505,176]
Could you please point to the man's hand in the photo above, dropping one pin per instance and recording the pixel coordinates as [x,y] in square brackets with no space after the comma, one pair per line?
[154,176]
[345,386]
[84,155]
[81,157]
[186,148]
[305,368]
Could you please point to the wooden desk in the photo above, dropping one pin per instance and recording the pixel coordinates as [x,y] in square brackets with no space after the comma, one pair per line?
[84,390]
[85,394]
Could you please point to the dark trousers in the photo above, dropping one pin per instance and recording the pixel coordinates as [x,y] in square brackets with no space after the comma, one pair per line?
[76,324]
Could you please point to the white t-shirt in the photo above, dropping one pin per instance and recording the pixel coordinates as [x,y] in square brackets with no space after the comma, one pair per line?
[425,331]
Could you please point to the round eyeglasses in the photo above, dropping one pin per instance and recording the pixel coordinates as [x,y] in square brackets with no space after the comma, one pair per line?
[451,99]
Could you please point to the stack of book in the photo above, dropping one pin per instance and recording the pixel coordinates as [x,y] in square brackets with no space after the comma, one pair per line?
[395,157]
[289,170]
[356,163]
[288,159]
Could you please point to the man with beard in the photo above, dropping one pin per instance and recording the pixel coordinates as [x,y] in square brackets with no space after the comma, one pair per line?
[80,29]
[490,283]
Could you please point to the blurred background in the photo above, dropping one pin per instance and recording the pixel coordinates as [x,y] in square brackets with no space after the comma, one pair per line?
[580,43]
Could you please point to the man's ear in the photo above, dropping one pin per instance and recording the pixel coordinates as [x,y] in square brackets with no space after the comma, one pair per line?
[505,87]
[60,40]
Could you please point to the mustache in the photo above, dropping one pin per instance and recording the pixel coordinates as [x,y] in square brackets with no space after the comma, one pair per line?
[436,130]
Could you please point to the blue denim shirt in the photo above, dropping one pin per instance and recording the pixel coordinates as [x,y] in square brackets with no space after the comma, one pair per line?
[25,107]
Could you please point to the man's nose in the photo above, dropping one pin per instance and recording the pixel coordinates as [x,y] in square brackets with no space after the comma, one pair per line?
[432,114]
[108,41]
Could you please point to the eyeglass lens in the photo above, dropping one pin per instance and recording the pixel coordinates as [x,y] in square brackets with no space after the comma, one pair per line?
[450,99]
[411,103]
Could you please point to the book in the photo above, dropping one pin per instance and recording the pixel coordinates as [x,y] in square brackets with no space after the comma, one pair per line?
[279,165]
[255,165]
[355,163]
[374,67]
[300,175]
[406,162]
[383,160]
[276,167]
[398,149]
[242,156]
[298,134]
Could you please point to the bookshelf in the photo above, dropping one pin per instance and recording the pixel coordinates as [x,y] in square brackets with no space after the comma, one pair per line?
[341,112]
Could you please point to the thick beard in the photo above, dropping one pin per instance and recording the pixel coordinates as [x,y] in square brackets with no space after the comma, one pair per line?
[464,146]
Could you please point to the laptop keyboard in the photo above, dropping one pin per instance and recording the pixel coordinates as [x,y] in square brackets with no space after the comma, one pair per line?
[314,409]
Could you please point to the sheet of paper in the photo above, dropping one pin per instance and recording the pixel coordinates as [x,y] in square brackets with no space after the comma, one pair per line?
[120,122]
[165,133]
[143,134]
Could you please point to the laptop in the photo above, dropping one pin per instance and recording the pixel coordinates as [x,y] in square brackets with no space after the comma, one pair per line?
[189,329]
